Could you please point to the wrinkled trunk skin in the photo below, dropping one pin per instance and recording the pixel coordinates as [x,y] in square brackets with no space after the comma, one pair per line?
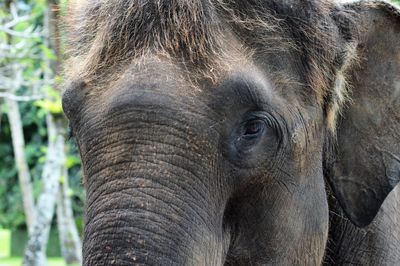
[152,210]
[147,225]
[376,244]
[154,195]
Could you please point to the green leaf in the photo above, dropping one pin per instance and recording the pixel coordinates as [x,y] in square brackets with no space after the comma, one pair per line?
[72,161]
[70,192]
[42,159]
[54,107]
[48,53]
[51,92]
[62,179]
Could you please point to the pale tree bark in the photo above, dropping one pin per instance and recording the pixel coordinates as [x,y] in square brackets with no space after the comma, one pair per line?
[71,247]
[54,169]
[39,224]
[70,242]
[1,103]
[14,118]
[18,141]
[35,251]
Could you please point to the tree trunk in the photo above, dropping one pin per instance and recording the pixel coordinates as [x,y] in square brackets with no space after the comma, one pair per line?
[24,177]
[35,252]
[71,247]
[1,103]
[18,141]
[70,242]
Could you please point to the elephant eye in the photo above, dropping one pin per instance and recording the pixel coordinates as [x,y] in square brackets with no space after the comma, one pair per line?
[256,137]
[253,129]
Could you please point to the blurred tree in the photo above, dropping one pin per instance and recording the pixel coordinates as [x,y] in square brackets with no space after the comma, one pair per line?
[11,68]
[28,68]
[69,237]
[53,172]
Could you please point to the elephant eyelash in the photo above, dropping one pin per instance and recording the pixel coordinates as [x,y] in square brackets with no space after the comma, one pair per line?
[275,123]
[279,125]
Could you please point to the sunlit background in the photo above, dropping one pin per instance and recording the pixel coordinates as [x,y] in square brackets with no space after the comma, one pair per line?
[40,177]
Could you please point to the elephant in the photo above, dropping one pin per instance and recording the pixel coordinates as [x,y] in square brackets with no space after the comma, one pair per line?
[236,132]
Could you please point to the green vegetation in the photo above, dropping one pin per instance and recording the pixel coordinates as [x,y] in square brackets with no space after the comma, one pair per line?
[19,238]
[5,239]
[33,120]
[18,261]
[12,245]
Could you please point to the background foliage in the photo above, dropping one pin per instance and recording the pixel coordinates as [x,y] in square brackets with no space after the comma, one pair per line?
[30,55]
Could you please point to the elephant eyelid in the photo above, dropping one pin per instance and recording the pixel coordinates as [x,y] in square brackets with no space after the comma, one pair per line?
[274,121]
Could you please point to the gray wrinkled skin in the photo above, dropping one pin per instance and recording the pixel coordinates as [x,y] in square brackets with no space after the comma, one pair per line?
[237,132]
[376,244]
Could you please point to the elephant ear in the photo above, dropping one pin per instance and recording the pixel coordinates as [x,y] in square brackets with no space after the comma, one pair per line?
[367,163]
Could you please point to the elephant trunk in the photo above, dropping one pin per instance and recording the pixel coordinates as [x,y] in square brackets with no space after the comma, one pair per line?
[154,191]
[153,215]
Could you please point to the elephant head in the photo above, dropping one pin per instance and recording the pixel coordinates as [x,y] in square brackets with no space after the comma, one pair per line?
[207,129]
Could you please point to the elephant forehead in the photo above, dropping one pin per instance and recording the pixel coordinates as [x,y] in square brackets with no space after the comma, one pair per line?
[201,35]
